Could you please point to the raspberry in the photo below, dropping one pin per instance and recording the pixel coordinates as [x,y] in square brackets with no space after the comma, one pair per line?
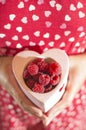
[44,79]
[38,88]
[30,83]
[33,69]
[54,80]
[42,64]
[54,68]
[36,77]
[26,74]
[48,88]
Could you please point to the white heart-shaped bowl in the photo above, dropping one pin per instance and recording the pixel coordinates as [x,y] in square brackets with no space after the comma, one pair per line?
[45,101]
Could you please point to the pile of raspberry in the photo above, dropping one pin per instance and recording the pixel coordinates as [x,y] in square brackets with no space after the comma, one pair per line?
[42,75]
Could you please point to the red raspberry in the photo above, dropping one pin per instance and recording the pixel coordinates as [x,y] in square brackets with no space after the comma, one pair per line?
[36,77]
[42,64]
[26,74]
[30,83]
[38,88]
[54,80]
[33,69]
[54,68]
[44,79]
[48,88]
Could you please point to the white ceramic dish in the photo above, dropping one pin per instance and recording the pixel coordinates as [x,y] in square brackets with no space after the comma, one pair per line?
[46,100]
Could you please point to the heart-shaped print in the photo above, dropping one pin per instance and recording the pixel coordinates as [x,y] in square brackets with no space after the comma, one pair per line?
[52,3]
[72,7]
[63,26]
[15,38]
[31,7]
[51,44]
[46,35]
[57,37]
[41,43]
[79,5]
[48,24]
[67,18]
[7,26]
[66,33]
[2,35]
[19,29]
[12,16]
[45,101]
[25,37]
[47,13]
[81,14]
[21,5]
[35,17]
[8,43]
[81,28]
[24,20]
[37,33]
[58,7]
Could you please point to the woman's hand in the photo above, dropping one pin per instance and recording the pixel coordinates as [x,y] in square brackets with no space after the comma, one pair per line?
[77,76]
[8,81]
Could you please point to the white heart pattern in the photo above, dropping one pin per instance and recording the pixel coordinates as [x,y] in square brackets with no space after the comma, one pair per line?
[79,5]
[47,13]
[7,26]
[21,5]
[81,14]
[72,7]
[67,18]
[24,20]
[46,35]
[25,37]
[37,33]
[63,26]
[48,24]
[66,33]
[52,3]
[8,43]
[15,38]
[57,37]
[58,7]
[35,17]
[12,16]
[41,43]
[31,7]
[2,35]
[19,29]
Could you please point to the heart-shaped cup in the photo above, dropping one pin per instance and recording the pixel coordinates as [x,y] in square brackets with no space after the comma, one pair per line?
[45,101]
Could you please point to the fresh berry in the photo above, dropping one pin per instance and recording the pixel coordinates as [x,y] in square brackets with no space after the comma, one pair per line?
[54,68]
[48,88]
[33,69]
[36,77]
[26,74]
[42,64]
[38,88]
[30,83]
[54,79]
[44,79]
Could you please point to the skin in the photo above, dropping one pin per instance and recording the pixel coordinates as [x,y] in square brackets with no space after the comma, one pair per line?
[77,76]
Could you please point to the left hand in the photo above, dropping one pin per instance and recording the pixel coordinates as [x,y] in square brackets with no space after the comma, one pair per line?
[77,76]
